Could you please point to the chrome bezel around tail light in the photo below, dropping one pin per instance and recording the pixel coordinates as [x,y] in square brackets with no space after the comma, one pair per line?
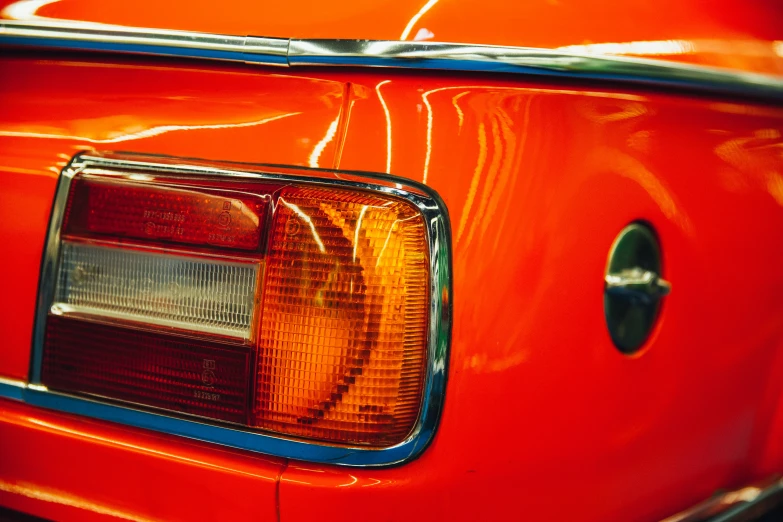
[438,336]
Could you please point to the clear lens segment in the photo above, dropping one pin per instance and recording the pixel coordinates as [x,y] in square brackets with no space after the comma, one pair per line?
[197,294]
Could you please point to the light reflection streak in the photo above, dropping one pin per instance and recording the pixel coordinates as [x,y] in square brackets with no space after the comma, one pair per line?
[482,158]
[247,212]
[20,170]
[36,492]
[494,166]
[142,449]
[460,114]
[312,470]
[499,190]
[321,145]
[388,236]
[640,48]
[747,494]
[633,169]
[748,157]
[25,9]
[304,217]
[408,28]
[535,90]
[285,479]
[523,134]
[718,47]
[775,187]
[147,133]
[145,177]
[625,111]
[429,135]
[425,99]
[388,125]
[358,227]
[751,110]
[354,480]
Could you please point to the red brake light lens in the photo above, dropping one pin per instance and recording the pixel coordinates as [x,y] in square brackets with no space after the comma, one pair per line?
[166,212]
[192,376]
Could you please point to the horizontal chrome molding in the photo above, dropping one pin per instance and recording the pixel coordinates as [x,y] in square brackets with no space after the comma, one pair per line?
[118,39]
[746,503]
[531,61]
[4,381]
[82,36]
[12,389]
[40,396]
[439,334]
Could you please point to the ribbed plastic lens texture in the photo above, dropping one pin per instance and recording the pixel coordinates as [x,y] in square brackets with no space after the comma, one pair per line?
[166,212]
[185,375]
[164,289]
[344,331]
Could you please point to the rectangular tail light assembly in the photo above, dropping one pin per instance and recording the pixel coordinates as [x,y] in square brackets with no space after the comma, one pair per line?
[293,312]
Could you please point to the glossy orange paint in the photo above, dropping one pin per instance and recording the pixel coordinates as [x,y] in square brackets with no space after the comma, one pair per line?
[64,468]
[726,33]
[544,419]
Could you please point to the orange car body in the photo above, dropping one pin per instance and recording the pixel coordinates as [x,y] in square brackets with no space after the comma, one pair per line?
[543,418]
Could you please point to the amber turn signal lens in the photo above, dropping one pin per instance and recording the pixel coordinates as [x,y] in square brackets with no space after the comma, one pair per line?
[345,311]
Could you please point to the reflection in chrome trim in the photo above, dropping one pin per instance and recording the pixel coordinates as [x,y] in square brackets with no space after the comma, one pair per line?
[101,37]
[83,36]
[12,389]
[747,503]
[531,61]
[644,285]
[12,382]
[439,236]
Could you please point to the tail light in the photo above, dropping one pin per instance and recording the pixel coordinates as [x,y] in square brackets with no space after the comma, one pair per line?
[308,308]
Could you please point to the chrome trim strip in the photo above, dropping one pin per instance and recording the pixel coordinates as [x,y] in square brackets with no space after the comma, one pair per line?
[83,36]
[223,435]
[49,265]
[531,61]
[12,382]
[119,39]
[752,508]
[747,503]
[438,228]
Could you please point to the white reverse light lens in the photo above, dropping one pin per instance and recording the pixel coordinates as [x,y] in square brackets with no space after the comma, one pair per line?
[196,294]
